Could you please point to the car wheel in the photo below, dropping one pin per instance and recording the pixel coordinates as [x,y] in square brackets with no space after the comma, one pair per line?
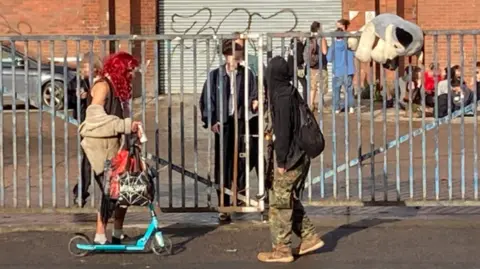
[58,95]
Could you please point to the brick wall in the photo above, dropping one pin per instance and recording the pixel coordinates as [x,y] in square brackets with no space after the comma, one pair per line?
[79,17]
[450,15]
[87,17]
[143,16]
[54,17]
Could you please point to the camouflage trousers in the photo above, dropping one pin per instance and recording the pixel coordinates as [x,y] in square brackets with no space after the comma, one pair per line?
[286,212]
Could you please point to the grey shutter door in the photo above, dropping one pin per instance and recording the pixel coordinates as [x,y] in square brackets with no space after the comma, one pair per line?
[225,17]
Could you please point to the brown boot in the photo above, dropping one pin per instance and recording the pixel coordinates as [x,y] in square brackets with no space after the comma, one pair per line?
[309,244]
[278,254]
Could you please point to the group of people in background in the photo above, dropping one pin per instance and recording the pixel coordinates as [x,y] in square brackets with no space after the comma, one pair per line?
[437,83]
[315,56]
[318,54]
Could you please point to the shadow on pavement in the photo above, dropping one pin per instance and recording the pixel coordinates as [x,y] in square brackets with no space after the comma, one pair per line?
[331,238]
[182,235]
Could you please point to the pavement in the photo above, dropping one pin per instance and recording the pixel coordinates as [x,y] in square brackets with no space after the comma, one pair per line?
[350,242]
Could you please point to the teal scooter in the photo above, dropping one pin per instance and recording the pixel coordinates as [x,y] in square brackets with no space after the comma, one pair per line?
[153,239]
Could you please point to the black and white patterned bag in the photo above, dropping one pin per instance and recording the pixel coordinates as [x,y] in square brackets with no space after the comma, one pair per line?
[137,188]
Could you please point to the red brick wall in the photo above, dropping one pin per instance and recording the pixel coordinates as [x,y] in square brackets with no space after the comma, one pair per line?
[54,17]
[84,17]
[78,17]
[451,15]
[144,22]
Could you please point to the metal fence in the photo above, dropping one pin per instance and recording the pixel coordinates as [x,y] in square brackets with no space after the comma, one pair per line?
[432,161]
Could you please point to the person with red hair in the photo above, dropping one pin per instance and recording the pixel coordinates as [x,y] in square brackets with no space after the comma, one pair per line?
[105,125]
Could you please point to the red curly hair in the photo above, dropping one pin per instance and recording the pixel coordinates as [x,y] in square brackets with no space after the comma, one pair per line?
[118,68]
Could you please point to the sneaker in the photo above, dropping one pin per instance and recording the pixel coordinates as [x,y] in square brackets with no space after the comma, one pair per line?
[389,103]
[224,217]
[351,110]
[122,240]
[308,245]
[75,202]
[278,254]
[264,217]
[116,240]
[338,111]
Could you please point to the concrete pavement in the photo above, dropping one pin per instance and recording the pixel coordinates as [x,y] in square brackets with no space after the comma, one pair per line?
[364,243]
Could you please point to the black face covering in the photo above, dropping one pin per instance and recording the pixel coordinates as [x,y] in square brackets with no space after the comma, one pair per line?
[279,75]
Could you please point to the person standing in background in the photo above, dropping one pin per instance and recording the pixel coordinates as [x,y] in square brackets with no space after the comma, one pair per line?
[83,93]
[343,70]
[315,54]
[232,75]
[343,24]
[253,116]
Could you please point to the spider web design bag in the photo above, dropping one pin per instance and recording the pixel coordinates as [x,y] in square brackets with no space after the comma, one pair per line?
[131,179]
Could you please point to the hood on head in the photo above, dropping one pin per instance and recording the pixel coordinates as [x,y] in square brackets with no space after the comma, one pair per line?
[279,75]
[278,70]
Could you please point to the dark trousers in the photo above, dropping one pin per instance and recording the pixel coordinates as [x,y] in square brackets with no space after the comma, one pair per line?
[85,178]
[253,154]
[228,160]
[253,130]
[429,100]
[255,135]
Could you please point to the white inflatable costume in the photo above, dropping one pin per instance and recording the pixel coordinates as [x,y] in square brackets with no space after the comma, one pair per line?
[396,38]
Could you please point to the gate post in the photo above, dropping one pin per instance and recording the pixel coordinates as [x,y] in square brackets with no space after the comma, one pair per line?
[261,138]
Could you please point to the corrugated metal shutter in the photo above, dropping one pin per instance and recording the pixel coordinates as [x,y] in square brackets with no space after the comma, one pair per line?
[225,17]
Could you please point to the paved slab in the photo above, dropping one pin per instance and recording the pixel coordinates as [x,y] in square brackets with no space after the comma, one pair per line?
[368,243]
[327,216]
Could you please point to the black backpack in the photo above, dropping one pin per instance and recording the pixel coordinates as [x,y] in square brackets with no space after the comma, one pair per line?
[314,52]
[309,137]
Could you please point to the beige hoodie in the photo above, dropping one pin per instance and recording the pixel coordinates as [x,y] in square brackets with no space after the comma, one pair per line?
[102,135]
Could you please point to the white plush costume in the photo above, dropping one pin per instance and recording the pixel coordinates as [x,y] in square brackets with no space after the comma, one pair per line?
[396,37]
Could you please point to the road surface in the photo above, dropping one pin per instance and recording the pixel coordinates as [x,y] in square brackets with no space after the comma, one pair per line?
[370,243]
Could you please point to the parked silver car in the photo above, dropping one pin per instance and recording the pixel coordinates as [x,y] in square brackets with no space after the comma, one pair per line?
[44,78]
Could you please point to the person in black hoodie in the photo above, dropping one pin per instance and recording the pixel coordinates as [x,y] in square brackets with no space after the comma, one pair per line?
[286,213]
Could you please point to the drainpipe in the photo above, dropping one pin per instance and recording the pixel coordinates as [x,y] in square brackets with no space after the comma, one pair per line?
[111,24]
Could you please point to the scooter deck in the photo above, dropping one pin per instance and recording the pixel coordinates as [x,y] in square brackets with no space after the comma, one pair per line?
[110,247]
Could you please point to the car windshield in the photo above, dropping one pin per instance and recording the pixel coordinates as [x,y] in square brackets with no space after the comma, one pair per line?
[7,57]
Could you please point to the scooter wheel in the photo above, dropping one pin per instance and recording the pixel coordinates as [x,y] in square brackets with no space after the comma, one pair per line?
[72,245]
[162,251]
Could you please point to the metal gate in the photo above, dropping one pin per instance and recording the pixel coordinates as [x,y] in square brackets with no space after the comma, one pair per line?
[40,153]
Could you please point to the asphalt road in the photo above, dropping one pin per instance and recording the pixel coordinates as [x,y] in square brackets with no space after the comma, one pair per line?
[373,243]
